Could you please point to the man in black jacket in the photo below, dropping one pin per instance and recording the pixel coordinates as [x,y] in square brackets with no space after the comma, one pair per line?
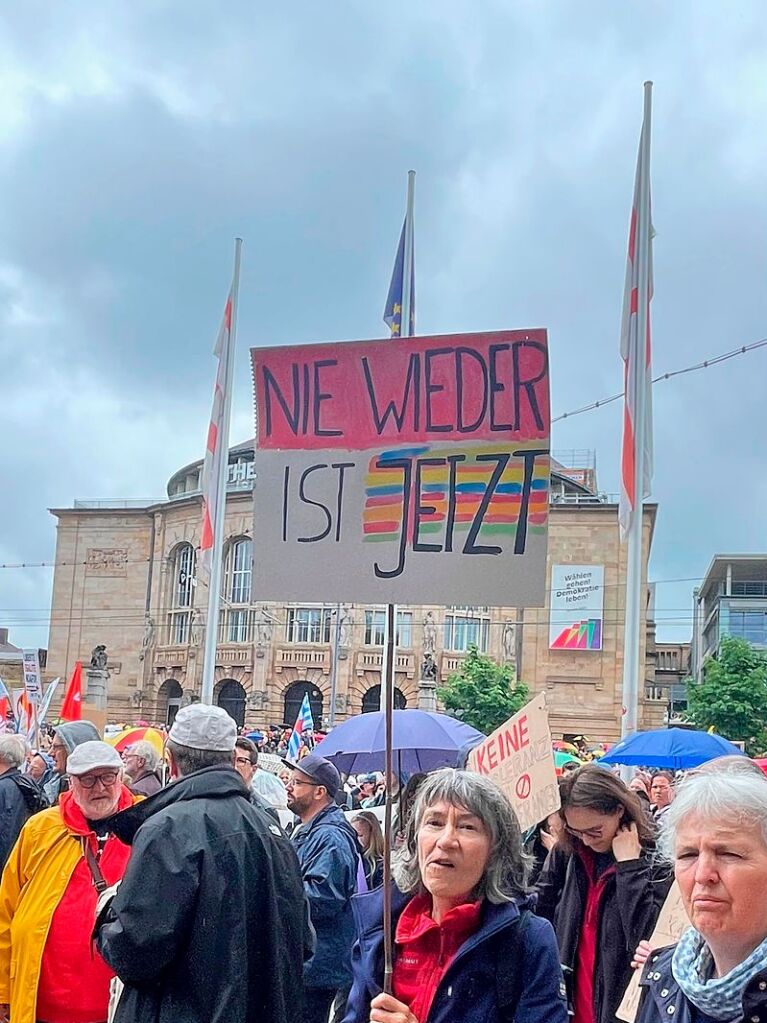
[20,797]
[210,921]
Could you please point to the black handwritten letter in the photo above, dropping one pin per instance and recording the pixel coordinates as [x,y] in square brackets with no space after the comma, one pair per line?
[412,382]
[320,396]
[423,509]
[406,465]
[342,467]
[460,353]
[430,388]
[501,461]
[270,384]
[452,461]
[529,459]
[317,504]
[496,387]
[528,385]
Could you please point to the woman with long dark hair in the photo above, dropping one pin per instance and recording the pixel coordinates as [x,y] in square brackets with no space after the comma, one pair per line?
[601,889]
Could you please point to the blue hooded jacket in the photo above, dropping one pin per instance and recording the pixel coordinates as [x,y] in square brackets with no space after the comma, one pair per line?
[469,991]
[329,855]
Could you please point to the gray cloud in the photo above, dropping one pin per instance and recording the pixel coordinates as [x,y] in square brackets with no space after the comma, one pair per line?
[139,138]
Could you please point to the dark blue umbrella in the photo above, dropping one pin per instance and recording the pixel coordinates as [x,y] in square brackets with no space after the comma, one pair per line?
[675,748]
[421,741]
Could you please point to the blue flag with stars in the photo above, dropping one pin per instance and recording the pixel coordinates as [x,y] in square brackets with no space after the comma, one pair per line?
[393,311]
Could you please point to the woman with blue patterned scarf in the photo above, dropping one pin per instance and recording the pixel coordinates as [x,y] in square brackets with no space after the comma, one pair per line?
[715,832]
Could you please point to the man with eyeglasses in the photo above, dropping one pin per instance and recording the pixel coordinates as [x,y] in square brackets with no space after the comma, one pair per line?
[330,857]
[66,738]
[48,894]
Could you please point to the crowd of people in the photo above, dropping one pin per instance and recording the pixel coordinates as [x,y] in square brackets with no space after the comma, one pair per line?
[199,886]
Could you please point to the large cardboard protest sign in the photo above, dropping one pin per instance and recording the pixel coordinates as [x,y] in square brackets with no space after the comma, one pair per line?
[519,758]
[410,471]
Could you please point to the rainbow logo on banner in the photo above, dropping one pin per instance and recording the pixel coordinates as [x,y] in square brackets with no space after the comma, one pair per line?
[580,636]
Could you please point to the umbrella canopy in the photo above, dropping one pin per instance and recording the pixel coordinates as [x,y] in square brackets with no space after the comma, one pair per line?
[762,762]
[561,758]
[564,747]
[675,748]
[421,741]
[130,735]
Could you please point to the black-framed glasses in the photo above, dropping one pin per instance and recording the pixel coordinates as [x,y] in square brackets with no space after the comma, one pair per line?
[106,778]
[244,760]
[595,833]
[298,781]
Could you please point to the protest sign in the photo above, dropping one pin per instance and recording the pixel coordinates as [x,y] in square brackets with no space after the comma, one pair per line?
[672,923]
[410,471]
[519,758]
[32,682]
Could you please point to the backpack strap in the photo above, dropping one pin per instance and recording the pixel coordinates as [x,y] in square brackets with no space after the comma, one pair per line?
[508,973]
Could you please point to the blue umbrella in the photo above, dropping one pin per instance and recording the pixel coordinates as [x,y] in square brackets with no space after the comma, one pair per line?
[675,748]
[421,741]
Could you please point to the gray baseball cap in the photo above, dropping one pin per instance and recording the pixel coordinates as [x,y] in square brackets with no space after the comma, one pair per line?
[200,726]
[89,756]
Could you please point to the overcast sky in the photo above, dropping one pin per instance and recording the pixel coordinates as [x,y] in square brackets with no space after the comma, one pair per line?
[139,138]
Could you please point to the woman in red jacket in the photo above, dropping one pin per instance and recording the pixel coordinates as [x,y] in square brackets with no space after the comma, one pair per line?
[601,889]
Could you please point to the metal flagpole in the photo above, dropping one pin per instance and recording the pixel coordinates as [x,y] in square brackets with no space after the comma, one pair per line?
[632,669]
[214,583]
[387,694]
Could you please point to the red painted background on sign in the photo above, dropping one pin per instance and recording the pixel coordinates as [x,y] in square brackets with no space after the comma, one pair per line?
[358,395]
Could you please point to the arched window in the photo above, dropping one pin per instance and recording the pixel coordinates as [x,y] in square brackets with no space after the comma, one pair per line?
[181,593]
[294,697]
[371,701]
[168,701]
[231,697]
[236,616]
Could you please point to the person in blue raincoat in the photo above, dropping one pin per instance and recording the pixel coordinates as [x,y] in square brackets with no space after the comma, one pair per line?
[467,948]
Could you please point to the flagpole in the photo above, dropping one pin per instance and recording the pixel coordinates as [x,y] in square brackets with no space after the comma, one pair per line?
[391,623]
[632,645]
[214,581]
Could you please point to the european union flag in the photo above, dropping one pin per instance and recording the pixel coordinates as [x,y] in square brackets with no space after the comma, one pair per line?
[393,311]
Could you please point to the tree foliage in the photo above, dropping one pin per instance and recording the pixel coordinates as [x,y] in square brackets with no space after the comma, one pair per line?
[483,693]
[733,695]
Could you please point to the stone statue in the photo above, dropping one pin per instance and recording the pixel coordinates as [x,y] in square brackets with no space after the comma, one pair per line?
[147,640]
[195,629]
[99,657]
[429,634]
[263,628]
[428,668]
[346,627]
[509,642]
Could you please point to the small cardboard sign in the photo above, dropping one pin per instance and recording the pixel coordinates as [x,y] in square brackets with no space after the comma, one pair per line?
[672,923]
[519,758]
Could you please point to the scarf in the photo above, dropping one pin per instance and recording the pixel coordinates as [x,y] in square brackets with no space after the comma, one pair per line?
[718,997]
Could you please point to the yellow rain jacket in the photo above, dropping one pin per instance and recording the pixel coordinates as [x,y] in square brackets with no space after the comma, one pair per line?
[34,880]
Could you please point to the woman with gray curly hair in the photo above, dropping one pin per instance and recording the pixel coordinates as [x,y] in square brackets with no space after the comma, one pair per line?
[466,946]
[715,833]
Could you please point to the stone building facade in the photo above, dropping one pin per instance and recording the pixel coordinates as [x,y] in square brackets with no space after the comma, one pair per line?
[126,577]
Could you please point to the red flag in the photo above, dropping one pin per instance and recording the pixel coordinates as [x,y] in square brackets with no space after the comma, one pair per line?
[214,449]
[635,352]
[72,707]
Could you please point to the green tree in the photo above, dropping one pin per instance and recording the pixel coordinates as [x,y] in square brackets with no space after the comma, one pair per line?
[733,695]
[483,693]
